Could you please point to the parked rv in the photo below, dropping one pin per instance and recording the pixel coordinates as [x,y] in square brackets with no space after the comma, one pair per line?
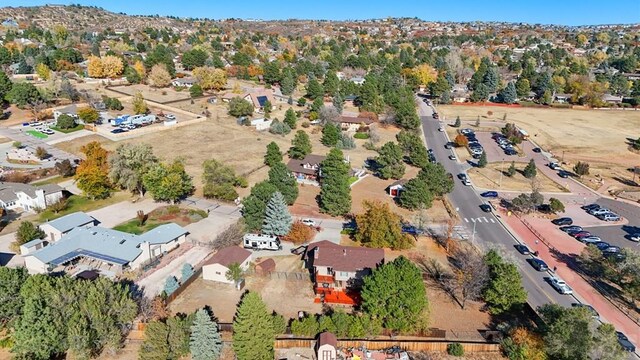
[261,242]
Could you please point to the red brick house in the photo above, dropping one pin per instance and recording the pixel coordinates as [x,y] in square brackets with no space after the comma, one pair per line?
[338,270]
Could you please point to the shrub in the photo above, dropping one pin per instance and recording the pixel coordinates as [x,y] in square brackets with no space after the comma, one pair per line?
[279,128]
[361,135]
[305,124]
[455,349]
[300,233]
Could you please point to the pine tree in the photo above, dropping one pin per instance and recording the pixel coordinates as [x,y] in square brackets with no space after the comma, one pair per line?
[290,118]
[282,178]
[330,135]
[273,155]
[512,169]
[335,191]
[178,336]
[205,342]
[530,170]
[155,345]
[171,285]
[482,162]
[458,123]
[508,94]
[300,145]
[389,161]
[504,290]
[187,271]
[277,219]
[338,103]
[253,332]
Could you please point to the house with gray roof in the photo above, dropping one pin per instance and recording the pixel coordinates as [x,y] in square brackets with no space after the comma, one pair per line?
[100,248]
[25,197]
[55,229]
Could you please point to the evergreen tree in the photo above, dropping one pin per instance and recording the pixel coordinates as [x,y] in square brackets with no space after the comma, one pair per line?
[530,170]
[187,272]
[5,85]
[282,178]
[491,79]
[314,90]
[155,345]
[253,332]
[254,205]
[11,281]
[438,181]
[335,191]
[415,194]
[482,162]
[290,118]
[205,342]
[171,284]
[458,123]
[330,135]
[508,94]
[512,169]
[178,336]
[273,155]
[481,93]
[396,294]
[300,145]
[504,291]
[288,83]
[389,161]
[338,102]
[522,87]
[277,219]
[331,83]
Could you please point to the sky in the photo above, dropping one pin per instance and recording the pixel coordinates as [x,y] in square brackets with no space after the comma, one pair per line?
[561,12]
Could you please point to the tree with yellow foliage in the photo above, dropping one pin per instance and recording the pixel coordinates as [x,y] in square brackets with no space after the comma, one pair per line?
[582,39]
[94,67]
[139,105]
[524,344]
[425,74]
[43,71]
[112,66]
[159,76]
[138,66]
[210,77]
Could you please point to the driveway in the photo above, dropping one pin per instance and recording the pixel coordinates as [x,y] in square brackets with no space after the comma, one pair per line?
[115,214]
[33,143]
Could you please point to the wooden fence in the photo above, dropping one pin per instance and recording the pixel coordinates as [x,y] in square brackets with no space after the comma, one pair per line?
[408,345]
[196,274]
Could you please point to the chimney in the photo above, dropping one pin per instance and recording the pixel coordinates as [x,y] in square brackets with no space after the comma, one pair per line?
[316,252]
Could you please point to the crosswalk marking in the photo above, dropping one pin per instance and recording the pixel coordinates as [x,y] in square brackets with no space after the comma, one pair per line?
[480,220]
[466,220]
[492,221]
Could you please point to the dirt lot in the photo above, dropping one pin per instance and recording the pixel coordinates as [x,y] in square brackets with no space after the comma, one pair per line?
[158,95]
[598,137]
[489,178]
[286,297]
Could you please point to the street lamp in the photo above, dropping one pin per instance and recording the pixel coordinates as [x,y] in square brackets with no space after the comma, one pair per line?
[501,172]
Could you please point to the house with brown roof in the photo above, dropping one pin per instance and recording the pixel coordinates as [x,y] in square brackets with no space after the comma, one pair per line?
[257,97]
[306,170]
[216,267]
[350,123]
[326,346]
[338,270]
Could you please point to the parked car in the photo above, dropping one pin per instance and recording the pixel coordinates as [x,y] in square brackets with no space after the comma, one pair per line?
[554,166]
[562,221]
[563,174]
[118,131]
[590,239]
[612,250]
[522,249]
[602,245]
[560,285]
[441,129]
[538,264]
[598,211]
[436,116]
[572,228]
[299,250]
[581,234]
[623,340]
[589,308]
[309,222]
[485,207]
[466,131]
[410,229]
[170,117]
[536,150]
[462,176]
[466,182]
[448,145]
[453,157]
[609,217]
[489,194]
[511,152]
[635,237]
[590,207]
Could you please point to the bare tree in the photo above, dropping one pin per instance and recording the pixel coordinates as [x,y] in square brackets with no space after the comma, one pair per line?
[455,64]
[470,275]
[230,236]
[374,137]
[328,114]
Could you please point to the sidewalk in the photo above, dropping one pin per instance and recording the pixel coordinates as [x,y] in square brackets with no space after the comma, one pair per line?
[562,254]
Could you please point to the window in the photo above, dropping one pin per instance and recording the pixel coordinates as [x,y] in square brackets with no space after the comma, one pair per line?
[344,273]
[218,273]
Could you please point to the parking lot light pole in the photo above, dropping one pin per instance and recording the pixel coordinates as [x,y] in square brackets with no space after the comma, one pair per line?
[501,172]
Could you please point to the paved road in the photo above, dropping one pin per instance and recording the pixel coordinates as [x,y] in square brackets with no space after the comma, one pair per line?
[33,143]
[488,230]
[619,234]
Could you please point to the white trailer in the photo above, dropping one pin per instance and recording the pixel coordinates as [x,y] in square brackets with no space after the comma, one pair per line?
[261,242]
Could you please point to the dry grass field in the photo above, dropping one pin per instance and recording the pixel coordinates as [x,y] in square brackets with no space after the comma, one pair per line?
[489,178]
[598,137]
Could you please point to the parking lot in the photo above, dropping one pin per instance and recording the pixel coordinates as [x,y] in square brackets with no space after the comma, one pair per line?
[619,234]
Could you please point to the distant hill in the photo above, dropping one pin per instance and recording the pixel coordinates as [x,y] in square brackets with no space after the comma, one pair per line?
[84,18]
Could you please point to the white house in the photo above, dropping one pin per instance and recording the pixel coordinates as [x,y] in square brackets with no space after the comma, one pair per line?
[215,269]
[55,229]
[261,124]
[28,197]
[184,82]
[326,346]
[103,248]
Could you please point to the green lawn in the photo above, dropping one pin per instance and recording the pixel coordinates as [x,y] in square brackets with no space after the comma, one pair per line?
[81,203]
[132,226]
[37,134]
[53,180]
[66,131]
[352,179]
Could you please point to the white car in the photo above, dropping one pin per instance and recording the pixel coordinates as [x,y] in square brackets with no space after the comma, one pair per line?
[308,222]
[466,182]
[560,286]
[440,129]
[452,157]
[635,237]
[170,117]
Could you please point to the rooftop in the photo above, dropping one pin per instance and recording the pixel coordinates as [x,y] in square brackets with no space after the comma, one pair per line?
[298,166]
[68,222]
[228,256]
[344,258]
[8,190]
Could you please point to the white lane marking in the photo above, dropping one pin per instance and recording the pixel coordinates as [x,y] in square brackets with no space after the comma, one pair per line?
[466,220]
[492,221]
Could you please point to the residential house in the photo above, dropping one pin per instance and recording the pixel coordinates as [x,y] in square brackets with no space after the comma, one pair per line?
[562,98]
[338,270]
[396,188]
[257,97]
[326,346]
[261,124]
[106,250]
[358,80]
[216,267]
[55,229]
[306,170]
[611,99]
[70,110]
[14,196]
[348,123]
[184,82]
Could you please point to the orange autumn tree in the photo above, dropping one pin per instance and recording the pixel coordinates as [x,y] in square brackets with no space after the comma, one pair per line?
[300,233]
[92,175]
[379,227]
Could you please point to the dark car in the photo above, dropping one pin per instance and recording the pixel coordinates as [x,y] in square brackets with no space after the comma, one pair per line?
[563,174]
[485,207]
[462,176]
[299,250]
[612,250]
[522,249]
[615,256]
[602,245]
[489,194]
[623,340]
[536,150]
[570,229]
[562,221]
[589,308]
[511,152]
[590,207]
[410,229]
[118,131]
[448,145]
[538,264]
[435,115]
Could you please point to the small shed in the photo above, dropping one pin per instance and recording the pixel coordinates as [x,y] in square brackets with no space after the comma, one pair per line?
[265,267]
[396,188]
[326,346]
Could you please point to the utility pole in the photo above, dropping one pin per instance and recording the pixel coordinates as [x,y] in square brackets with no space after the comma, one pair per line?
[501,172]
